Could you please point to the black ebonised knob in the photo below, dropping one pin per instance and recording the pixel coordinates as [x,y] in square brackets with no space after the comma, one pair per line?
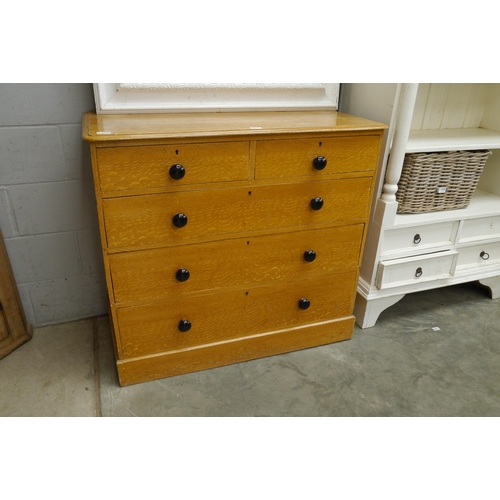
[417,239]
[319,163]
[180,220]
[419,272]
[184,325]
[177,171]
[182,275]
[317,203]
[484,255]
[309,255]
[304,304]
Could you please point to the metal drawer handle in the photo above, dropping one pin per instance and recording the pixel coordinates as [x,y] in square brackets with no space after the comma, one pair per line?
[418,272]
[484,255]
[417,239]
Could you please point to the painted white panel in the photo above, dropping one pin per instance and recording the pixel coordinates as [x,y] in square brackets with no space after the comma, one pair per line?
[456,105]
[490,178]
[444,105]
[491,116]
[436,103]
[477,105]
[192,97]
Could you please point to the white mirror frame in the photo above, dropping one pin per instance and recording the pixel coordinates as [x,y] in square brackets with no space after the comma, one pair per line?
[190,97]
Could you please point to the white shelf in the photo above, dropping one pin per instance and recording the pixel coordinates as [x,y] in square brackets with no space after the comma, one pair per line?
[482,204]
[421,141]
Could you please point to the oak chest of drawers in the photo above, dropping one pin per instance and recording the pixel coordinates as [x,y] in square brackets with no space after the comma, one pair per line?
[229,236]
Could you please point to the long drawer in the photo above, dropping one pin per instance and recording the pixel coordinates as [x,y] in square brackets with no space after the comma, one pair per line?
[137,167]
[148,275]
[146,368]
[150,221]
[296,157]
[220,317]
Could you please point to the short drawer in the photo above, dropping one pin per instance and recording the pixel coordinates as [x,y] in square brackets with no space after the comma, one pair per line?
[414,270]
[220,317]
[480,229]
[140,167]
[298,157]
[149,221]
[149,275]
[418,238]
[478,256]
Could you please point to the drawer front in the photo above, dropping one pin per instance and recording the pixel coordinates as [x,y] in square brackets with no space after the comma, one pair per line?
[418,238]
[414,270]
[480,229]
[149,166]
[147,221]
[220,317]
[296,157]
[478,256]
[148,275]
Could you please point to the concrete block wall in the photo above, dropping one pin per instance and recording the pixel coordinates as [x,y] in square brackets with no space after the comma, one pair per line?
[48,214]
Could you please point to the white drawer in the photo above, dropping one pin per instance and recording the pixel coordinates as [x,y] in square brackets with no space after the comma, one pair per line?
[418,238]
[414,270]
[480,229]
[478,256]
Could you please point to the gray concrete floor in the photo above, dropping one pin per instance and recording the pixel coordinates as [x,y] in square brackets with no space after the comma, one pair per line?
[400,367]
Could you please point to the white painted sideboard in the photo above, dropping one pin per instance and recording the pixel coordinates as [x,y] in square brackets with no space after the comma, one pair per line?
[407,253]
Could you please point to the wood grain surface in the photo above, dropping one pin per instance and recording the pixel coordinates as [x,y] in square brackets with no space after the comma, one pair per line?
[142,369]
[14,328]
[106,128]
[247,195]
[150,275]
[138,167]
[218,317]
[146,221]
[294,158]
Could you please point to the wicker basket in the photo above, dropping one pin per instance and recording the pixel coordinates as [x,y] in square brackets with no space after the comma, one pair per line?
[439,181]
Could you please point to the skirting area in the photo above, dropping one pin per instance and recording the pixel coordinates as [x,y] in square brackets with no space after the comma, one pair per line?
[433,354]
